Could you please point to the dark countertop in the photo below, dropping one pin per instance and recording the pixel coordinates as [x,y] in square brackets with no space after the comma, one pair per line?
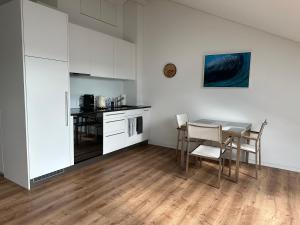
[78,111]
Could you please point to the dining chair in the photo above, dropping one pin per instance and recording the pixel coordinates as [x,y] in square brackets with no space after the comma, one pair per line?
[182,120]
[253,148]
[213,134]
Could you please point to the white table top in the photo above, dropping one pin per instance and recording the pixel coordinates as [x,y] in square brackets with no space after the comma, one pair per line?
[234,128]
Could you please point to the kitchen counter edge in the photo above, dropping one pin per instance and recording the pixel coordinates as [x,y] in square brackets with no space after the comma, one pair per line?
[78,112]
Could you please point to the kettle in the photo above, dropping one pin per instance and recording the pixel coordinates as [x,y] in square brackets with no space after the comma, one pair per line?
[100,101]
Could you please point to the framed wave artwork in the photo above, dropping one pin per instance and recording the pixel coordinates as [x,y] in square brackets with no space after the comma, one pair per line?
[227,70]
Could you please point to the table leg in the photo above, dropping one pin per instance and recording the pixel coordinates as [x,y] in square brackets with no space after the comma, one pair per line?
[182,148]
[238,155]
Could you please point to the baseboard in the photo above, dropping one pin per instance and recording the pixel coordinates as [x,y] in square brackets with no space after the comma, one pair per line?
[277,166]
[251,161]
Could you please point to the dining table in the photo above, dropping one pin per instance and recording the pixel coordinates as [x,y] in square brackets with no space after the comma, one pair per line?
[229,129]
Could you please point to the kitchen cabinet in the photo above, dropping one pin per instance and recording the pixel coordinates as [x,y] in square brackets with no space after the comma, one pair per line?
[91,8]
[124,60]
[36,128]
[45,32]
[102,10]
[47,87]
[79,49]
[115,129]
[146,124]
[109,12]
[101,55]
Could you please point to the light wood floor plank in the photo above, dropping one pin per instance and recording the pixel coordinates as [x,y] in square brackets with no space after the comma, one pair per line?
[146,186]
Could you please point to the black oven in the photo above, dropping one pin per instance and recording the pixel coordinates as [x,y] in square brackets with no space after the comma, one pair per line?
[88,136]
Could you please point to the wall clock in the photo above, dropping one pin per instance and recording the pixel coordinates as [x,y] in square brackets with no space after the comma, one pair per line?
[170,70]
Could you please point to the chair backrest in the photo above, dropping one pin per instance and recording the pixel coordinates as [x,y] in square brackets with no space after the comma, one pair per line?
[205,132]
[182,119]
[262,128]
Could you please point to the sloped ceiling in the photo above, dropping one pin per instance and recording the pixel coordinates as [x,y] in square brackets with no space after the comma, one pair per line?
[279,17]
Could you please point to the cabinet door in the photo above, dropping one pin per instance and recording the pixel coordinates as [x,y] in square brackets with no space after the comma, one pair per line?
[109,12]
[102,55]
[79,49]
[124,60]
[146,124]
[45,32]
[113,142]
[47,100]
[90,8]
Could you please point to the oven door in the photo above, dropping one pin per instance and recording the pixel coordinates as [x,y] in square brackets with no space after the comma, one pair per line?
[88,136]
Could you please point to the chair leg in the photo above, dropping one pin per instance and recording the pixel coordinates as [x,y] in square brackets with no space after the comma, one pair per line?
[259,152]
[219,175]
[223,162]
[187,165]
[182,146]
[247,158]
[230,158]
[177,146]
[256,166]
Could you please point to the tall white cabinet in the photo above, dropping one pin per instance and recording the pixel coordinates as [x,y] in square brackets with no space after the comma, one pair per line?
[35,81]
[47,88]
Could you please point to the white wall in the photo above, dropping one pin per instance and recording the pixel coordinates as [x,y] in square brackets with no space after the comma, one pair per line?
[95,86]
[174,33]
[1,145]
[72,8]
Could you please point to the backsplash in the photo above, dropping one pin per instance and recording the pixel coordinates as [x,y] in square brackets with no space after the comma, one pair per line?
[95,86]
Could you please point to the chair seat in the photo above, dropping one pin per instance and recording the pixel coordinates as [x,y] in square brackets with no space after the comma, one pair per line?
[245,147]
[207,151]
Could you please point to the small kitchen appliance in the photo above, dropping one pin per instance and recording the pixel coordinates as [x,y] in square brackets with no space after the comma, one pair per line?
[87,102]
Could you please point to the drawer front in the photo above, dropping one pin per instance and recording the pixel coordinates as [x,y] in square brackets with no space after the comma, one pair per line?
[113,126]
[114,142]
[135,112]
[114,115]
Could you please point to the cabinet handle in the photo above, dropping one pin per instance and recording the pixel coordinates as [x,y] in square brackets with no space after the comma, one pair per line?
[114,121]
[67,108]
[114,134]
[115,114]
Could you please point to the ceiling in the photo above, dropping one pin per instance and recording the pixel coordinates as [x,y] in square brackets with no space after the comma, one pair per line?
[279,17]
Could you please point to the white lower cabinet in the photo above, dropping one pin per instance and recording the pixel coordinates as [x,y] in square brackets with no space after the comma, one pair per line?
[115,129]
[113,142]
[146,124]
[114,137]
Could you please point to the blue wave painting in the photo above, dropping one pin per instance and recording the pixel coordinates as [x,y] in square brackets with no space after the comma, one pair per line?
[227,70]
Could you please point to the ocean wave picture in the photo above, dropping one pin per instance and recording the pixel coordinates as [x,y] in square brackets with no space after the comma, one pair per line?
[227,70]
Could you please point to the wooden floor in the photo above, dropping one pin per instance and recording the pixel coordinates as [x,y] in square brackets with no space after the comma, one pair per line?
[145,186]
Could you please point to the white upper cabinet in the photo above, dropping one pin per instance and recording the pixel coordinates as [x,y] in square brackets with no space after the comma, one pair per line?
[102,55]
[79,49]
[109,12]
[102,10]
[124,60]
[90,8]
[45,32]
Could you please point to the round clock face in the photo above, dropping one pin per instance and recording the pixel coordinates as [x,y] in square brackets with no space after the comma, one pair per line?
[170,70]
